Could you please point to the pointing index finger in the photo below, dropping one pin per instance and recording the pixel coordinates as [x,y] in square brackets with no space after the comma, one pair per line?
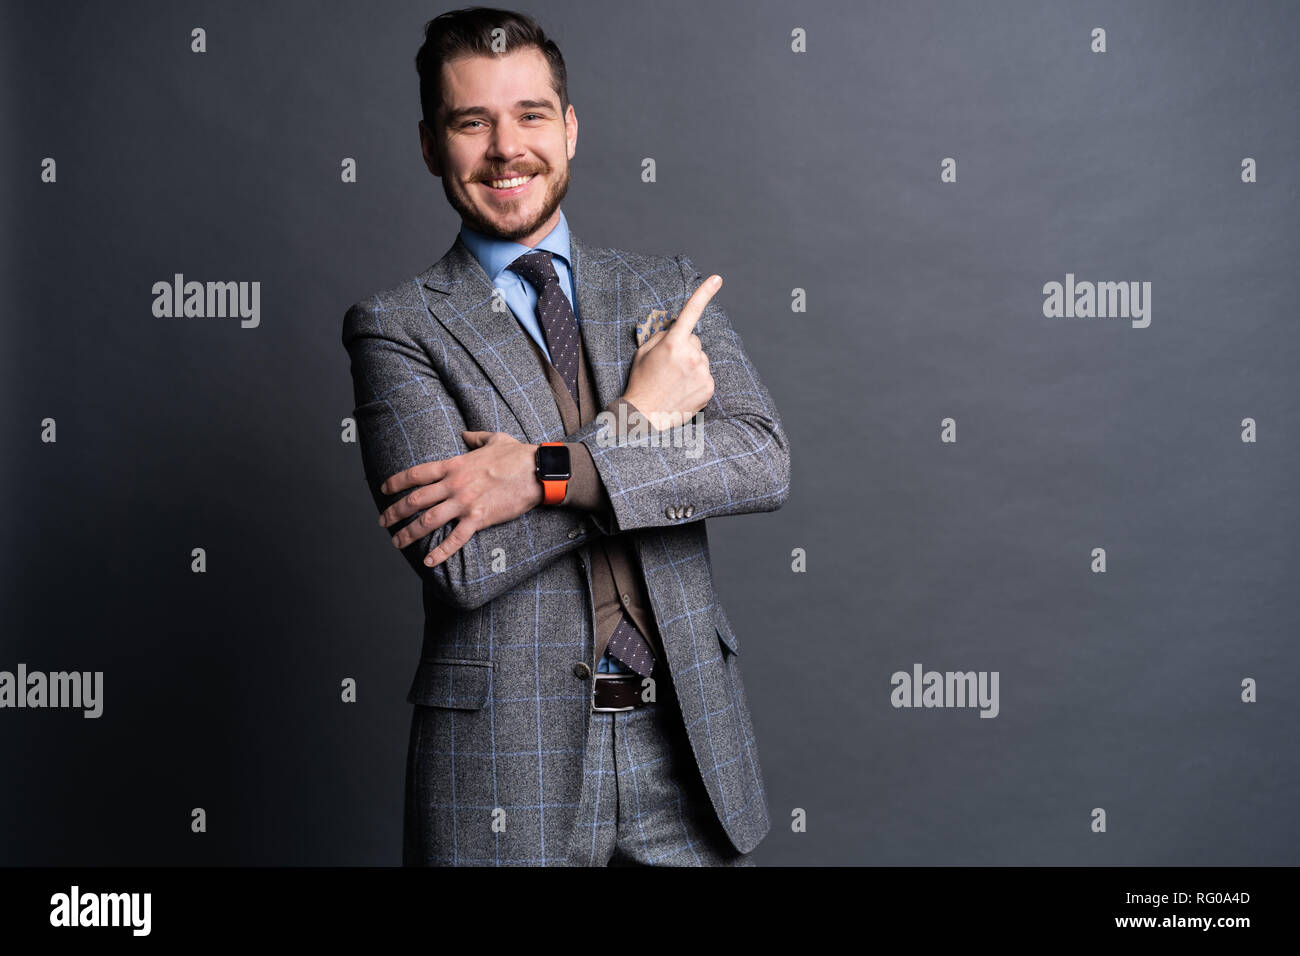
[694,308]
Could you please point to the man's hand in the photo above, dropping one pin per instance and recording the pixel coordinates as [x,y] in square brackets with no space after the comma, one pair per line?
[670,379]
[494,483]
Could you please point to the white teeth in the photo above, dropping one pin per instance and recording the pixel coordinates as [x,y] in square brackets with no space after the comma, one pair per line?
[509,183]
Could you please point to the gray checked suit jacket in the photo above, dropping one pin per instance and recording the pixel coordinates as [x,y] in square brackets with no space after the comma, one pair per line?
[503,689]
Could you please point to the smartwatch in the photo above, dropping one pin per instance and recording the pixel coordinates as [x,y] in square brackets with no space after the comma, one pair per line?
[553,471]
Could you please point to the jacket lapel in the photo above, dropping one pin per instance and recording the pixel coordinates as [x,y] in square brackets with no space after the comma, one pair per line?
[462,303]
[610,342]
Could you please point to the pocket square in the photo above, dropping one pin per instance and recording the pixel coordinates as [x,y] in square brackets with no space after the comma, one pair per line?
[656,321]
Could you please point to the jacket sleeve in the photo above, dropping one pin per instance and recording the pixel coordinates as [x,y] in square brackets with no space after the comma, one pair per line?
[731,458]
[405,416]
[585,492]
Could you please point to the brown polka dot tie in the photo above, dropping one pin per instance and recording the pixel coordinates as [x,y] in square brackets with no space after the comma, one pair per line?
[630,646]
[627,644]
[555,313]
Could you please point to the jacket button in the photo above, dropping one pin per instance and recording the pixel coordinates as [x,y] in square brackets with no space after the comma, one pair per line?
[581,671]
[670,512]
[690,510]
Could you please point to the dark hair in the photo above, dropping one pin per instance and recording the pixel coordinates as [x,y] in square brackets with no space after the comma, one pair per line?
[468,32]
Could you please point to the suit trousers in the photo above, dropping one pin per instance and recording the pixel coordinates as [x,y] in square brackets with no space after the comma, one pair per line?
[643,802]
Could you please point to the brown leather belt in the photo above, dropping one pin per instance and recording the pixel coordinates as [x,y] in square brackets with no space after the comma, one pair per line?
[622,692]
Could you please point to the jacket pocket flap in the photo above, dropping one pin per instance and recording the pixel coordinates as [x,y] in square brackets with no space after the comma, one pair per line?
[457,683]
[724,629]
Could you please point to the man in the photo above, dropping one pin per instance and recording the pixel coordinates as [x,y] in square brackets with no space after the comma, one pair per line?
[579,699]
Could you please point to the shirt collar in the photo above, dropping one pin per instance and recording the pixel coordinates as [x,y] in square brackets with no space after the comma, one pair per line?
[495,255]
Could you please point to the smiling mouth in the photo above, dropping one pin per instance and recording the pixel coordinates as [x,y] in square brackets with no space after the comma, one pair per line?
[508,185]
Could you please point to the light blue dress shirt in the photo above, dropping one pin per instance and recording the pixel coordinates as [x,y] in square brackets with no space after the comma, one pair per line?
[495,256]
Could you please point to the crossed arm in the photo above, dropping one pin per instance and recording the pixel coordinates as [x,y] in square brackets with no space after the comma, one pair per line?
[738,461]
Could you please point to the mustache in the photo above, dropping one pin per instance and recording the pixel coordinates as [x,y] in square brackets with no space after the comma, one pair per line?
[509,174]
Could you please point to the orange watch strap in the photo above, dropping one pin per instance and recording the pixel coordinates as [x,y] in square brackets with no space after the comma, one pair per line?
[553,490]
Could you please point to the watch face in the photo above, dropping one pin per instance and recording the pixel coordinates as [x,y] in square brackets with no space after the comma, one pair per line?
[552,462]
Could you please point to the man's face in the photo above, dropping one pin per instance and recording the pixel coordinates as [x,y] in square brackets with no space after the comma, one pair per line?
[501,119]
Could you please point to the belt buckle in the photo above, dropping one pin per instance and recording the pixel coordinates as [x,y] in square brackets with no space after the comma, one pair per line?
[611,710]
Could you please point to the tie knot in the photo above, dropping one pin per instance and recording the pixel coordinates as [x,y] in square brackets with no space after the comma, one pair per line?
[536,267]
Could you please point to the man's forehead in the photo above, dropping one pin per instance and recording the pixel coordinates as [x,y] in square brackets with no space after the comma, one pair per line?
[497,81]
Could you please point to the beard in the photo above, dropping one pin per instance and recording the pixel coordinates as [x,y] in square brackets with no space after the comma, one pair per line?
[555,192]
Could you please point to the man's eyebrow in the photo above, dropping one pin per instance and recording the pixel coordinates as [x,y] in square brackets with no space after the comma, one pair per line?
[454,115]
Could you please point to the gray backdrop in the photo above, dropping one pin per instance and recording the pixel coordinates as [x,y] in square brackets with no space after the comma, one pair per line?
[779,170]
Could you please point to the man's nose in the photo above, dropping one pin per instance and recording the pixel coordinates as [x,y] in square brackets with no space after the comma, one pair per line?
[504,144]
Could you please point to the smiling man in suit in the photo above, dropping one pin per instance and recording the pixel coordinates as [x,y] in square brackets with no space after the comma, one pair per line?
[545,456]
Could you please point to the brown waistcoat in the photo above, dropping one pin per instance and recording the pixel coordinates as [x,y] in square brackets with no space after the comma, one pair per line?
[617,582]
